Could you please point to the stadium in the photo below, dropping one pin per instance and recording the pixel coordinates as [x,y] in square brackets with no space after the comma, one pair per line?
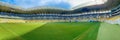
[89,13]
[94,22]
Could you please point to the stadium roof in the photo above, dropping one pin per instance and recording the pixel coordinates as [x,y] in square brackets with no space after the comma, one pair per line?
[106,6]
[5,7]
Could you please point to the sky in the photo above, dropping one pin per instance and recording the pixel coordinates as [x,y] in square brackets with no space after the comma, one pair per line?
[66,4]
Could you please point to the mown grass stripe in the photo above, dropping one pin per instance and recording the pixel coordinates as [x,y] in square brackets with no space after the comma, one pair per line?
[90,34]
[17,29]
[58,31]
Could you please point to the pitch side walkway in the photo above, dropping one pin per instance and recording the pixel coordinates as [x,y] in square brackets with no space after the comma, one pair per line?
[109,32]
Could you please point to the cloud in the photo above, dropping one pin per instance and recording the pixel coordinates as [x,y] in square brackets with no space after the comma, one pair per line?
[74,3]
[34,3]
[77,2]
[57,3]
[45,2]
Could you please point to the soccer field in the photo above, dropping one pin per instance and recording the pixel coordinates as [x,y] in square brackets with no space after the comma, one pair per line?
[57,31]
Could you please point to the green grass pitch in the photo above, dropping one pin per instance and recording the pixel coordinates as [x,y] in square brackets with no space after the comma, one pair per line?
[58,31]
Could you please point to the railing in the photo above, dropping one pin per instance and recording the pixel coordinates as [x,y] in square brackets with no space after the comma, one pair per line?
[52,15]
